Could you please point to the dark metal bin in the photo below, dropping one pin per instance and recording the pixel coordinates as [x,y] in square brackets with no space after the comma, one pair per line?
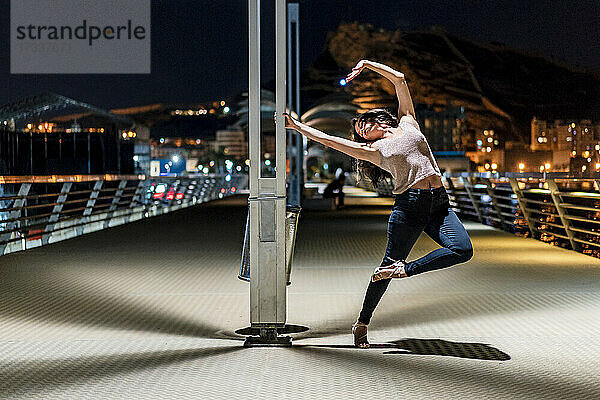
[292,214]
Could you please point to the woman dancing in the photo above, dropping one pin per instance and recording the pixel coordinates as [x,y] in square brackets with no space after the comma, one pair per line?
[384,144]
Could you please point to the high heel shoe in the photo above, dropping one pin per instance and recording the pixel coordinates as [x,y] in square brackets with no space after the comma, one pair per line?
[359,330]
[395,270]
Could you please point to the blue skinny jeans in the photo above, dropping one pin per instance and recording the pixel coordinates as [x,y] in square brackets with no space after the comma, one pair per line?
[415,211]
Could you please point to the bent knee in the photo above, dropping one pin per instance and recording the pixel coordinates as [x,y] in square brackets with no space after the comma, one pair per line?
[465,253]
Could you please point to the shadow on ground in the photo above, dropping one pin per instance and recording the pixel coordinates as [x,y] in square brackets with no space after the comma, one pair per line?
[432,347]
[24,377]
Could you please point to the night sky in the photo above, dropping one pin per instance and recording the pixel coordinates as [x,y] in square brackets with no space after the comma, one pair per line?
[200,49]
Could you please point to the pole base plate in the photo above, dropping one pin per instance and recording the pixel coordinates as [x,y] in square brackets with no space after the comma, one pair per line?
[262,341]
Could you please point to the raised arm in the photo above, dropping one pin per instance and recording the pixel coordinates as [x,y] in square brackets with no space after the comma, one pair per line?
[361,151]
[405,103]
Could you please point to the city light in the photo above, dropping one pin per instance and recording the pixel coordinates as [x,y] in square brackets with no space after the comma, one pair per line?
[136,158]
[226,110]
[175,159]
[222,103]
[212,163]
[268,162]
[597,165]
[494,165]
[343,82]
[487,165]
[521,166]
[547,165]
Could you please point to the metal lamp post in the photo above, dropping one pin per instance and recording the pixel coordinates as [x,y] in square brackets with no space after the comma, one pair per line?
[267,200]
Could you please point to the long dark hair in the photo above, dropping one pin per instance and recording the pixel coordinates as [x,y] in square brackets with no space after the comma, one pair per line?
[364,169]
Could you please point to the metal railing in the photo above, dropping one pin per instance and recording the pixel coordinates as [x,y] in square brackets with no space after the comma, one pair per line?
[553,208]
[38,210]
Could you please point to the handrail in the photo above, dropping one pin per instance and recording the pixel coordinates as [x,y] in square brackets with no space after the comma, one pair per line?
[33,213]
[517,202]
[67,178]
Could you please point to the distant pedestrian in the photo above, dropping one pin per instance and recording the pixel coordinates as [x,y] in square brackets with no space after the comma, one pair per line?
[335,190]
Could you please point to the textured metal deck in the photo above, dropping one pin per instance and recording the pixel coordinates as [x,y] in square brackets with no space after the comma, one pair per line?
[148,310]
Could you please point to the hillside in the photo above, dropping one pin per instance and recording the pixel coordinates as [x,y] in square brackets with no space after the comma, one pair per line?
[500,87]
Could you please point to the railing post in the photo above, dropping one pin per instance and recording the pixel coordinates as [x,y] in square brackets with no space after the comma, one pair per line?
[566,223]
[453,192]
[115,202]
[522,204]
[185,200]
[18,203]
[60,201]
[196,191]
[492,195]
[139,194]
[89,207]
[469,190]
